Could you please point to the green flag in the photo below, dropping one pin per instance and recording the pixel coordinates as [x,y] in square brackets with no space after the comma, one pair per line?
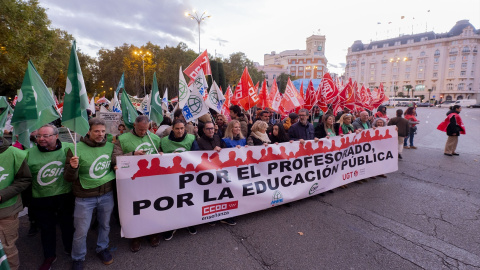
[35,106]
[156,112]
[121,84]
[75,104]
[5,110]
[129,113]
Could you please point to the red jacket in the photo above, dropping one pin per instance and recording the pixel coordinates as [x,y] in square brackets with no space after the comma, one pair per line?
[443,126]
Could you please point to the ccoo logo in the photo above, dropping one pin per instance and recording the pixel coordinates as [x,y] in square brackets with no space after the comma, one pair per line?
[98,166]
[47,172]
[2,176]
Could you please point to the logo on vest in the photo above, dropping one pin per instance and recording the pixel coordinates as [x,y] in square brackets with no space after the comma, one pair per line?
[48,172]
[147,147]
[99,166]
[2,176]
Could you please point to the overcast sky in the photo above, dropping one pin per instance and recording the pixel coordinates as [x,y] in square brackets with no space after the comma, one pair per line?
[255,27]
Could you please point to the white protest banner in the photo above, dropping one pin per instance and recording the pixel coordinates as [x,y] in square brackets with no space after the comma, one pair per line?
[112,120]
[158,193]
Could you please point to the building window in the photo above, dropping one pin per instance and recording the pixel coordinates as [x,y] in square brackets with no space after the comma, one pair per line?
[308,61]
[384,65]
[437,53]
[407,75]
[372,66]
[436,59]
[420,87]
[451,66]
[463,73]
[410,41]
[453,51]
[450,73]
[449,86]
[466,49]
[464,65]
[407,69]
[384,71]
[372,78]
[308,73]
[470,86]
[435,67]
[461,86]
[385,45]
[372,72]
[420,75]
[421,61]
[300,73]
[300,68]
[274,76]
[395,70]
[292,74]
[435,75]
[422,53]
[420,68]
[453,58]
[266,76]
[292,68]
[293,62]
[397,43]
[374,47]
[465,58]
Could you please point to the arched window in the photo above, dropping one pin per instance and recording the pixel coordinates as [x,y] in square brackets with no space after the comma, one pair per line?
[460,97]
[437,53]
[466,49]
[453,51]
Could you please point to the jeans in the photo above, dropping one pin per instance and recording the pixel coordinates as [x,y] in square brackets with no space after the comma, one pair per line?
[411,134]
[83,216]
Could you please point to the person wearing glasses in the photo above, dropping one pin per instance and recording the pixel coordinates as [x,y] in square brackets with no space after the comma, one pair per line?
[302,130]
[52,198]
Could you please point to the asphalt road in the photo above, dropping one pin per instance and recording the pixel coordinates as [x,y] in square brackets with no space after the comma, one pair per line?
[424,216]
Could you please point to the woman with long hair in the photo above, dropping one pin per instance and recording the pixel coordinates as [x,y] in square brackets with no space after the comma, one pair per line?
[258,136]
[453,126]
[233,135]
[278,134]
[410,114]
[326,129]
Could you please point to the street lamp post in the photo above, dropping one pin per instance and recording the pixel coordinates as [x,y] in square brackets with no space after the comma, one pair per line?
[142,54]
[199,19]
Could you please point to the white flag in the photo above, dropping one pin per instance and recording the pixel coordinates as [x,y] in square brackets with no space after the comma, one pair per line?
[165,100]
[195,105]
[91,105]
[183,91]
[215,98]
[116,105]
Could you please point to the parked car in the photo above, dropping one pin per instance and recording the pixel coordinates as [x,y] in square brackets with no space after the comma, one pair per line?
[466,102]
[446,104]
[425,104]
[475,106]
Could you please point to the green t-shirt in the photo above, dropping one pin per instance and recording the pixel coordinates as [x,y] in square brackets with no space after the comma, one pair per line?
[11,161]
[94,165]
[47,171]
[169,146]
[130,142]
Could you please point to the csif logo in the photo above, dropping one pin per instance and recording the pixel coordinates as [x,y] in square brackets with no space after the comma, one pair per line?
[98,166]
[277,198]
[313,189]
[2,176]
[147,147]
[48,172]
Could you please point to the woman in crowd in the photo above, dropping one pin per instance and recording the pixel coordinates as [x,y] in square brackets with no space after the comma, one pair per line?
[326,129]
[410,116]
[381,112]
[278,134]
[121,128]
[178,141]
[344,124]
[233,135]
[453,126]
[379,122]
[258,135]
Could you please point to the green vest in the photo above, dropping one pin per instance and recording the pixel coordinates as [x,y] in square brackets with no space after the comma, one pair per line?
[12,160]
[47,171]
[109,137]
[94,165]
[169,146]
[130,142]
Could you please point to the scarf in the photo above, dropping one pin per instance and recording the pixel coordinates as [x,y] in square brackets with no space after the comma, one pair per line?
[261,136]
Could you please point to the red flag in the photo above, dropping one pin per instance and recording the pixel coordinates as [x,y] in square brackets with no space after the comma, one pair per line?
[378,96]
[14,101]
[238,94]
[309,96]
[246,96]
[263,96]
[226,106]
[291,99]
[329,88]
[363,98]
[275,97]
[202,62]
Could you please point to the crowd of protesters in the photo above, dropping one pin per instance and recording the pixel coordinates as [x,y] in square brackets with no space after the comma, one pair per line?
[71,191]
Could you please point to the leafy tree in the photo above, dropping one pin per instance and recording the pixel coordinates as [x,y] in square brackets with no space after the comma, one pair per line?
[25,35]
[222,82]
[282,80]
[408,87]
[235,65]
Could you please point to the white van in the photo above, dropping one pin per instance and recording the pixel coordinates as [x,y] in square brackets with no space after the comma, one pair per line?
[466,102]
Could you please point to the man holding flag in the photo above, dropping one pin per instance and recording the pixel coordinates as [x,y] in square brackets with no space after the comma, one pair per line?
[89,168]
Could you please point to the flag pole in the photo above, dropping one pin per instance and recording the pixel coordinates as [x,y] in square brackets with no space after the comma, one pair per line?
[152,143]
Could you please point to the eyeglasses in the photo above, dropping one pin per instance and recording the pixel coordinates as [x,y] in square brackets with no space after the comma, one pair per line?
[44,136]
[209,128]
[300,115]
